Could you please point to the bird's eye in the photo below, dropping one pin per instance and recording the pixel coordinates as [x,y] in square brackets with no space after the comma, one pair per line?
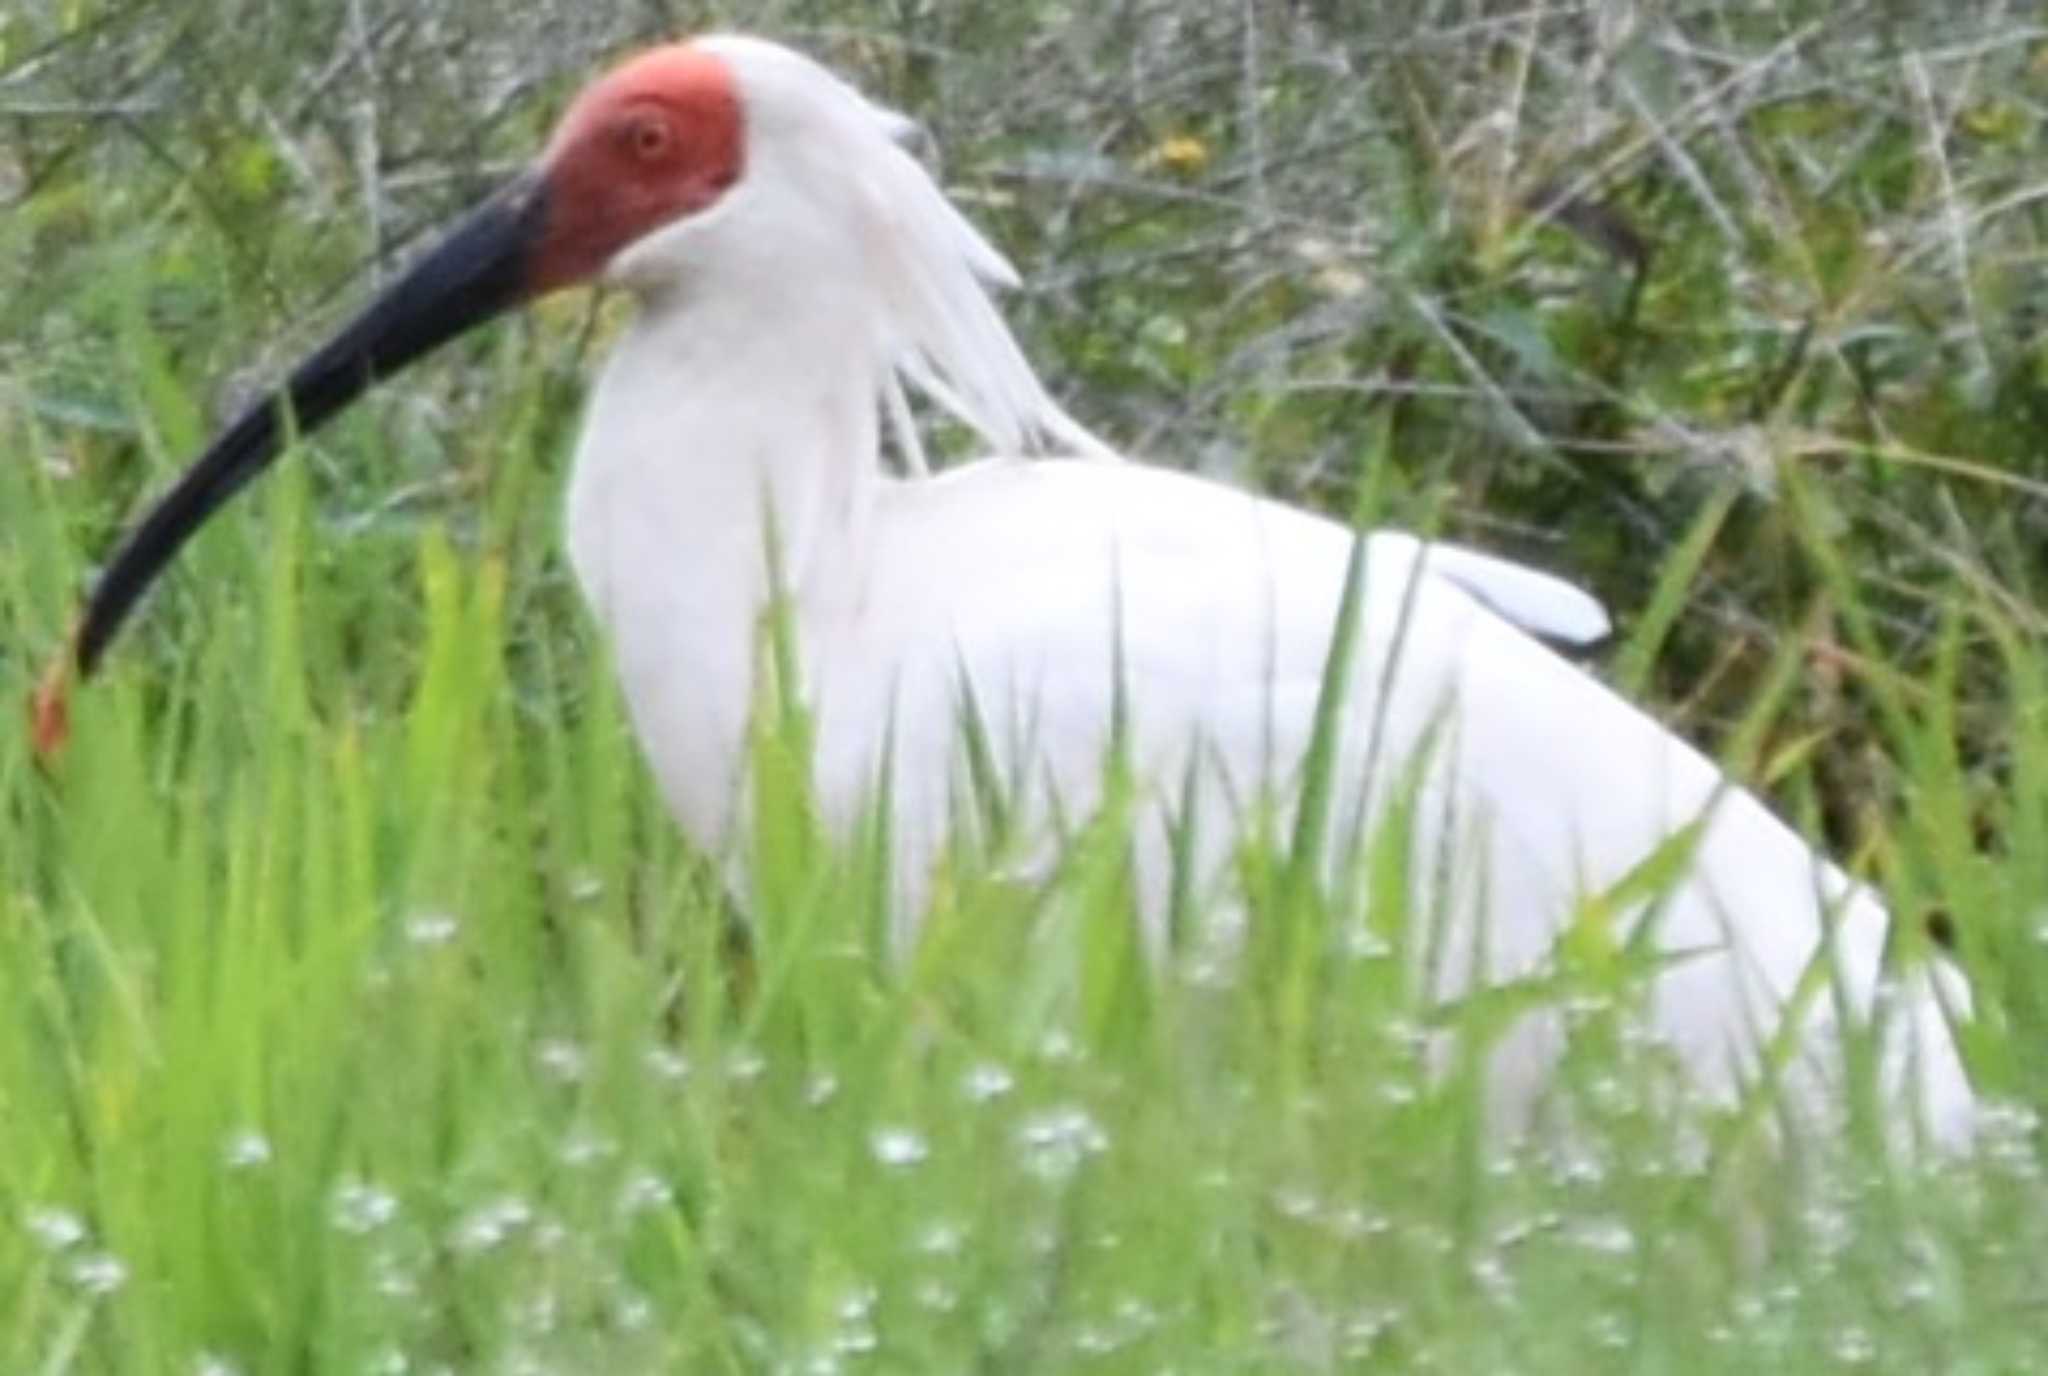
[649,137]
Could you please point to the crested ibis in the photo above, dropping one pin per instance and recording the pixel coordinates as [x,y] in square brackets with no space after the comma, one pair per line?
[795,271]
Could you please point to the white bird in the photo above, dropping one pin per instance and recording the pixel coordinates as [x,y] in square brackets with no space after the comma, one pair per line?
[794,270]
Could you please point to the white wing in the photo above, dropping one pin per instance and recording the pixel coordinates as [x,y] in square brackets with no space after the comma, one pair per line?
[1224,606]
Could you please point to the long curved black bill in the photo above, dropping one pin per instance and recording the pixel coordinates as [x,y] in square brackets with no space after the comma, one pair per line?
[478,271]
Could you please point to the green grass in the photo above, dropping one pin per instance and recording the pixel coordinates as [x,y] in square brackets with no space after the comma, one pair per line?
[361,1009]
[349,1032]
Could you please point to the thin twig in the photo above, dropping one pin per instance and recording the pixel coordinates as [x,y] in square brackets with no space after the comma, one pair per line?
[1952,216]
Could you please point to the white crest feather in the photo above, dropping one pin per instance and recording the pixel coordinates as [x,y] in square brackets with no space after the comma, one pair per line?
[931,268]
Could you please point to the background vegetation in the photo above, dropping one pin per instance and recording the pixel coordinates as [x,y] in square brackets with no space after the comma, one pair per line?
[360,1011]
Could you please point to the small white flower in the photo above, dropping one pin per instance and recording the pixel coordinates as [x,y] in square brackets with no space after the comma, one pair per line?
[562,1060]
[987,1081]
[486,1227]
[246,1150]
[1055,1142]
[362,1208]
[642,1191]
[432,929]
[57,1229]
[99,1273]
[899,1147]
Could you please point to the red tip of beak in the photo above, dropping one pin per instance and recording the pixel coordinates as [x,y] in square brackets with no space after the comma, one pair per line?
[49,710]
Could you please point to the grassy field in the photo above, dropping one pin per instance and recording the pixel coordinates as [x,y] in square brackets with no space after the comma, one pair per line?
[362,1011]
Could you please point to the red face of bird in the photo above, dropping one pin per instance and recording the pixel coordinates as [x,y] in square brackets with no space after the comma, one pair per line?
[657,141]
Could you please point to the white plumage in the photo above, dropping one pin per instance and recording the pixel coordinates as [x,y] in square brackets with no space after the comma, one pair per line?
[773,331]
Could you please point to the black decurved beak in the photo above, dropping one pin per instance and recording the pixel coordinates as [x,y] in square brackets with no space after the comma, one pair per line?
[479,270]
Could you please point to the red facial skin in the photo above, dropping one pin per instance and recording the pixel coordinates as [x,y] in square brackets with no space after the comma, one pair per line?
[657,139]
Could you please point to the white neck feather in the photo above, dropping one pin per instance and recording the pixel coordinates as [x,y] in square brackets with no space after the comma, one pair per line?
[704,429]
[702,425]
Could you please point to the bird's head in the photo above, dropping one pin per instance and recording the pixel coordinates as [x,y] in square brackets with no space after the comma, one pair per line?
[711,160]
[658,141]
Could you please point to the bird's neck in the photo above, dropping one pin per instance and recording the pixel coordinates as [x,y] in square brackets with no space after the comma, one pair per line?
[712,426]
[715,423]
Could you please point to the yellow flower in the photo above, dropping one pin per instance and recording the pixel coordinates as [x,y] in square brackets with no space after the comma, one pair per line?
[1181,153]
